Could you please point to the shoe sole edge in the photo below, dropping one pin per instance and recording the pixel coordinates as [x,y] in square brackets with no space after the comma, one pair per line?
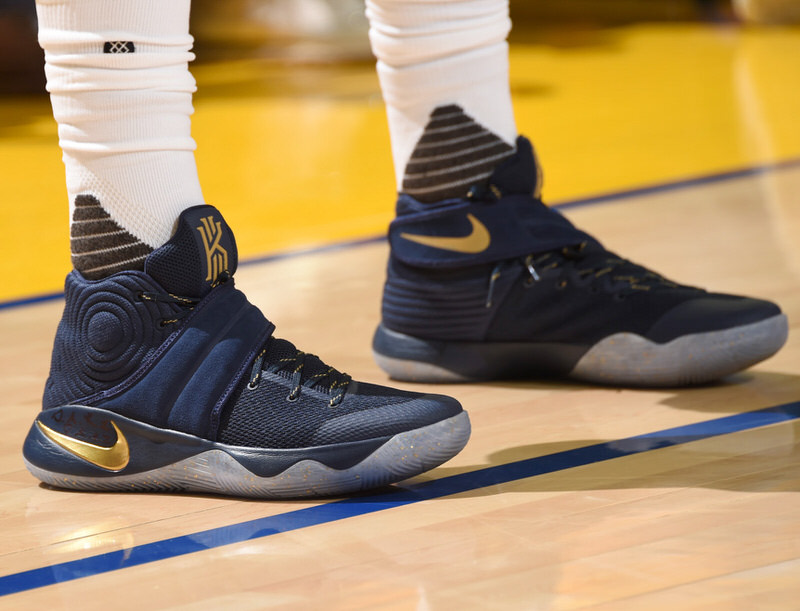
[624,359]
[631,360]
[215,471]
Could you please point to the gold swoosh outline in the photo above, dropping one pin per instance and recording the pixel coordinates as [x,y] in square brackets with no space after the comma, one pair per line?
[114,458]
[477,241]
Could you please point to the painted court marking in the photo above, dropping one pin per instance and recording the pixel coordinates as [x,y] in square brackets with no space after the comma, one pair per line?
[674,185]
[334,511]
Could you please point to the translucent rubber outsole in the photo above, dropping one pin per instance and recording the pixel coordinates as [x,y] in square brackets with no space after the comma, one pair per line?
[624,359]
[214,471]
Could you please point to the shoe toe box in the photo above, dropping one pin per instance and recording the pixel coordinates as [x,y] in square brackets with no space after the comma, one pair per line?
[712,312]
[379,417]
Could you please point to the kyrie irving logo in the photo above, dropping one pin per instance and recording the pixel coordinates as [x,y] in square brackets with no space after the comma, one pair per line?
[216,255]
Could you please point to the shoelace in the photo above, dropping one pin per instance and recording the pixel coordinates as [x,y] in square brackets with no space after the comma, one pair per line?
[337,382]
[187,304]
[623,276]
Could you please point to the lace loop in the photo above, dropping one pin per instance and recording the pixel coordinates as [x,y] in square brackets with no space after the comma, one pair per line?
[329,379]
[495,276]
[255,372]
[185,303]
[531,269]
[586,264]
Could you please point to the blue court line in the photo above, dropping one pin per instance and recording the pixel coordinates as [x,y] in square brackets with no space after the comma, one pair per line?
[334,511]
[16,303]
[314,250]
[684,183]
[565,205]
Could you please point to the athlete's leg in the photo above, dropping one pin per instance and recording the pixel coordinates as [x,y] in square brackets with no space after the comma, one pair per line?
[121,92]
[443,68]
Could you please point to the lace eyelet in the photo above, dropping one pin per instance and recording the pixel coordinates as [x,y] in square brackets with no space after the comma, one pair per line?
[162,323]
[251,386]
[292,399]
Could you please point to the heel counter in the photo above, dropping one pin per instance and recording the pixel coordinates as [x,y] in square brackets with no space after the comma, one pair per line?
[56,392]
[436,304]
[105,333]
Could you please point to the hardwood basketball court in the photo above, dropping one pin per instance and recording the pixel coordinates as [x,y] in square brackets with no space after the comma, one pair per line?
[677,145]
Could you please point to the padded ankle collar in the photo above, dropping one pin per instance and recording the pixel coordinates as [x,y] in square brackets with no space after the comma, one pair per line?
[202,248]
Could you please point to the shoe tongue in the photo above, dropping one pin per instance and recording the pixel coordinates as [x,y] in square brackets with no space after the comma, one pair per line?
[201,248]
[521,173]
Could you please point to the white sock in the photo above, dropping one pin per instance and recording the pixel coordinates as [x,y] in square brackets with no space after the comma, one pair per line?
[442,58]
[121,91]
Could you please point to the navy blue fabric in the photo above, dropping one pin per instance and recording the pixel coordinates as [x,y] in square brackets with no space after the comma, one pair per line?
[105,334]
[571,291]
[170,350]
[441,304]
[709,313]
[519,174]
[518,223]
[125,345]
[150,448]
[191,375]
[263,417]
[108,331]
[201,248]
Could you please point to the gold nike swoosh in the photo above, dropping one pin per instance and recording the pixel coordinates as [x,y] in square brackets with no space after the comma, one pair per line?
[477,241]
[114,458]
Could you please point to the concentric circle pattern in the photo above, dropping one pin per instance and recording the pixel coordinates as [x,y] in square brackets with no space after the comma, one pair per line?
[106,333]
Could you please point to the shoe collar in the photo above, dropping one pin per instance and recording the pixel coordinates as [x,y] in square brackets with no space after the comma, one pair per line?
[202,250]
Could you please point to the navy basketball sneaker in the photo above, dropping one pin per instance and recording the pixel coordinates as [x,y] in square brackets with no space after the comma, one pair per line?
[497,285]
[169,380]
